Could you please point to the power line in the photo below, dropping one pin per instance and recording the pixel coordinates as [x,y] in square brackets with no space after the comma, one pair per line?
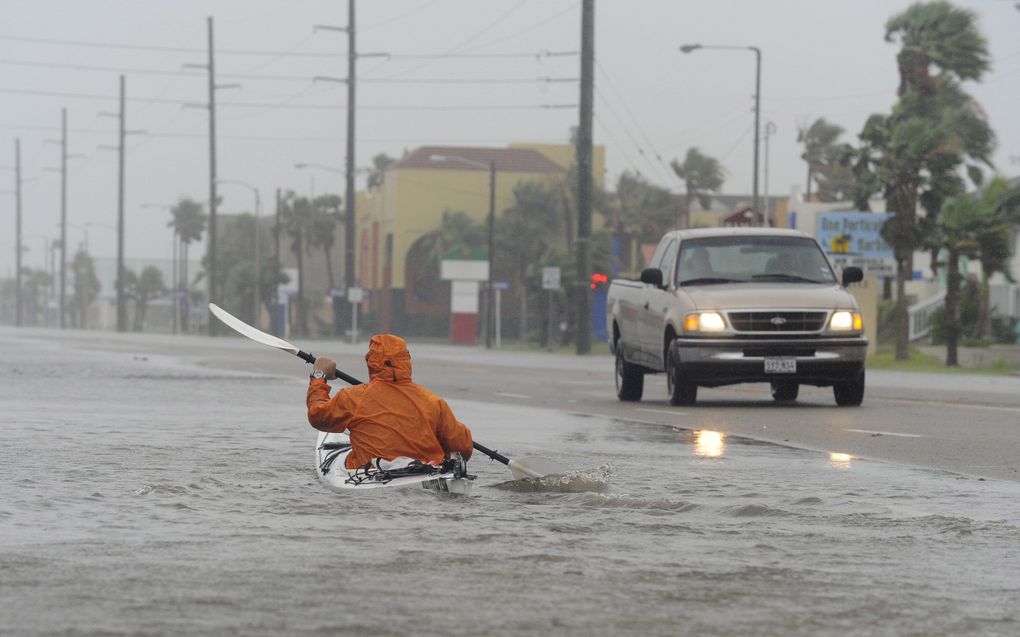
[380,107]
[178,49]
[528,29]
[626,131]
[257,138]
[281,78]
[634,120]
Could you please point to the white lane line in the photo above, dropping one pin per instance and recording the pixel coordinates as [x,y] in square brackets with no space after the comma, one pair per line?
[663,411]
[943,403]
[509,395]
[884,433]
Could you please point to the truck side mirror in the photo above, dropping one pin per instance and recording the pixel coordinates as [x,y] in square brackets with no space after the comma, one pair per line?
[852,274]
[652,276]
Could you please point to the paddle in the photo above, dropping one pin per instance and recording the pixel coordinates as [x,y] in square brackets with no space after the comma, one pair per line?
[517,468]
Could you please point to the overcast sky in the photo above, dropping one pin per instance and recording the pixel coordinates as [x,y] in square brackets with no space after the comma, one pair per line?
[652,102]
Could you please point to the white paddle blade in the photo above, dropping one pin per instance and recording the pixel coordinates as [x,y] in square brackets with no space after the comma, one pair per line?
[254,334]
[521,470]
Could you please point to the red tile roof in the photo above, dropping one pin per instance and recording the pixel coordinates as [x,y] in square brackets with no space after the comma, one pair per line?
[522,160]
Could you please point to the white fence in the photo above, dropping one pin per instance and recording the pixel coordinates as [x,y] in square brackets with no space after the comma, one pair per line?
[919,315]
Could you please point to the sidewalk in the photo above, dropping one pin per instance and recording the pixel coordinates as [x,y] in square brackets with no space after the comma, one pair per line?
[969,357]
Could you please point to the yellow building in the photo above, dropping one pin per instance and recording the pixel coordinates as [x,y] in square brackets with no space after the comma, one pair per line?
[415,193]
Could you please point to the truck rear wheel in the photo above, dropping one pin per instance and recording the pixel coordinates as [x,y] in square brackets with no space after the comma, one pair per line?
[784,391]
[681,390]
[850,393]
[630,379]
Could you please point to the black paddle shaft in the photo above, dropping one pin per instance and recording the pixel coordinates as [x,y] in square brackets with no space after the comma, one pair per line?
[350,380]
[310,359]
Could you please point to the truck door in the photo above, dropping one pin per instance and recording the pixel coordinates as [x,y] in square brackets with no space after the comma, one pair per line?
[653,303]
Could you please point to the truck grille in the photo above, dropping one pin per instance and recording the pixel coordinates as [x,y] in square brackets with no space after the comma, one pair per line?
[777,321]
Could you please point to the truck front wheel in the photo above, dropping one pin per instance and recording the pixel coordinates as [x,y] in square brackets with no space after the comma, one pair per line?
[630,379]
[850,393]
[681,390]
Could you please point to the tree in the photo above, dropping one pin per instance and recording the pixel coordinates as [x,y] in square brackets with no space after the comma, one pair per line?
[35,284]
[994,244]
[377,172]
[701,174]
[188,220]
[643,208]
[524,234]
[142,289]
[822,154]
[934,129]
[296,216]
[85,288]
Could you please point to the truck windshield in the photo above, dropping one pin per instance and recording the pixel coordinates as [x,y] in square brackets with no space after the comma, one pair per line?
[751,258]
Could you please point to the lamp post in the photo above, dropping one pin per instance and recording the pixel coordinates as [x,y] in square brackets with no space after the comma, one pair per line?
[689,48]
[258,247]
[489,312]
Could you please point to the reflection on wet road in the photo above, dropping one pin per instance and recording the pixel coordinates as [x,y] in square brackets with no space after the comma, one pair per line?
[147,497]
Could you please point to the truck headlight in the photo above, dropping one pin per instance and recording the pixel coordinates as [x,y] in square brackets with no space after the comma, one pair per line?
[844,321]
[704,322]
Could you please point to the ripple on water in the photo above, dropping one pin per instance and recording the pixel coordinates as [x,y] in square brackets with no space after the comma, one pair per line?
[162,489]
[586,480]
[754,511]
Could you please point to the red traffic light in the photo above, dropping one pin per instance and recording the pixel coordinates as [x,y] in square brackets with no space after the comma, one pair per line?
[598,279]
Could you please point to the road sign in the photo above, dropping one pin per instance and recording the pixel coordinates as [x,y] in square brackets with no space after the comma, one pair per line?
[551,278]
[855,238]
[354,295]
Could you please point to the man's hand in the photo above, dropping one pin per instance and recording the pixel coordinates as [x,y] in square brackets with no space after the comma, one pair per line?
[326,365]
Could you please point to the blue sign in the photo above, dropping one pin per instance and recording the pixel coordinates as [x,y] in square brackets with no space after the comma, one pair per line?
[854,233]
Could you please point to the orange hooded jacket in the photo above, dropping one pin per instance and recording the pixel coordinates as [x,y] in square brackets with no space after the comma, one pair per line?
[389,416]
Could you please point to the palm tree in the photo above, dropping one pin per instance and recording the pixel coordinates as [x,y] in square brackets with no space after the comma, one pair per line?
[296,214]
[933,129]
[820,148]
[188,221]
[994,239]
[377,172]
[85,287]
[524,234]
[644,208]
[701,174]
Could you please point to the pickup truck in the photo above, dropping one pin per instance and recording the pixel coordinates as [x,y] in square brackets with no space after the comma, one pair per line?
[721,306]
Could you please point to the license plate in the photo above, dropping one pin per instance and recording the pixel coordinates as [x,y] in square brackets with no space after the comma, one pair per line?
[775,365]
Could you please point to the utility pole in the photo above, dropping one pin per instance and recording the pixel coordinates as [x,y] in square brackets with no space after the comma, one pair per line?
[350,227]
[63,213]
[584,177]
[213,325]
[274,321]
[17,247]
[121,300]
[756,203]
[770,130]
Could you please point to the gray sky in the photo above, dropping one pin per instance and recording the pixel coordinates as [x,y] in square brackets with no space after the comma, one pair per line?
[819,59]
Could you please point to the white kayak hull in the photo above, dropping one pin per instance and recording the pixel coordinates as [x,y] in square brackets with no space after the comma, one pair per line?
[332,449]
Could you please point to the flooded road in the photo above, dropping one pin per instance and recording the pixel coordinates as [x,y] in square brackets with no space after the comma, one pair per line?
[145,495]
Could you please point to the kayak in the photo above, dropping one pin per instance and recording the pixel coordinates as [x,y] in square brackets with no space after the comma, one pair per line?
[332,449]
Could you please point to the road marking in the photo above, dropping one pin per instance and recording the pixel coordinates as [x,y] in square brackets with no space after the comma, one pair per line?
[946,403]
[663,411]
[884,433]
[509,395]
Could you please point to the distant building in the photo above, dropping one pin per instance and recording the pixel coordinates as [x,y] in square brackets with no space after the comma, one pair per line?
[416,191]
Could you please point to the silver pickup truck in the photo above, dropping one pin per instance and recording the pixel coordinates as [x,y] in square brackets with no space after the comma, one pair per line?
[722,306]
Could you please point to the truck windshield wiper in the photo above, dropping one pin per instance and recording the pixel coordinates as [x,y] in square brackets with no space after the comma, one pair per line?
[786,277]
[710,280]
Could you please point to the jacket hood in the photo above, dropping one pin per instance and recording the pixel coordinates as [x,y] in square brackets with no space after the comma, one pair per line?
[388,359]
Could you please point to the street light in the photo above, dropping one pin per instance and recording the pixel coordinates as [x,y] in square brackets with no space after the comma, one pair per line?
[690,48]
[258,247]
[489,317]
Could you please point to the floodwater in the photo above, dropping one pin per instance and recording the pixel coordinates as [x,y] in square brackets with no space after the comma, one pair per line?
[145,496]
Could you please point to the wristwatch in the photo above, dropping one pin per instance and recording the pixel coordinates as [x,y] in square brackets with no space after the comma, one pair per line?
[321,375]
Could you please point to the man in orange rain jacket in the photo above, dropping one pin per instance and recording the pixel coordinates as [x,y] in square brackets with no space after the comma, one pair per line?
[389,416]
